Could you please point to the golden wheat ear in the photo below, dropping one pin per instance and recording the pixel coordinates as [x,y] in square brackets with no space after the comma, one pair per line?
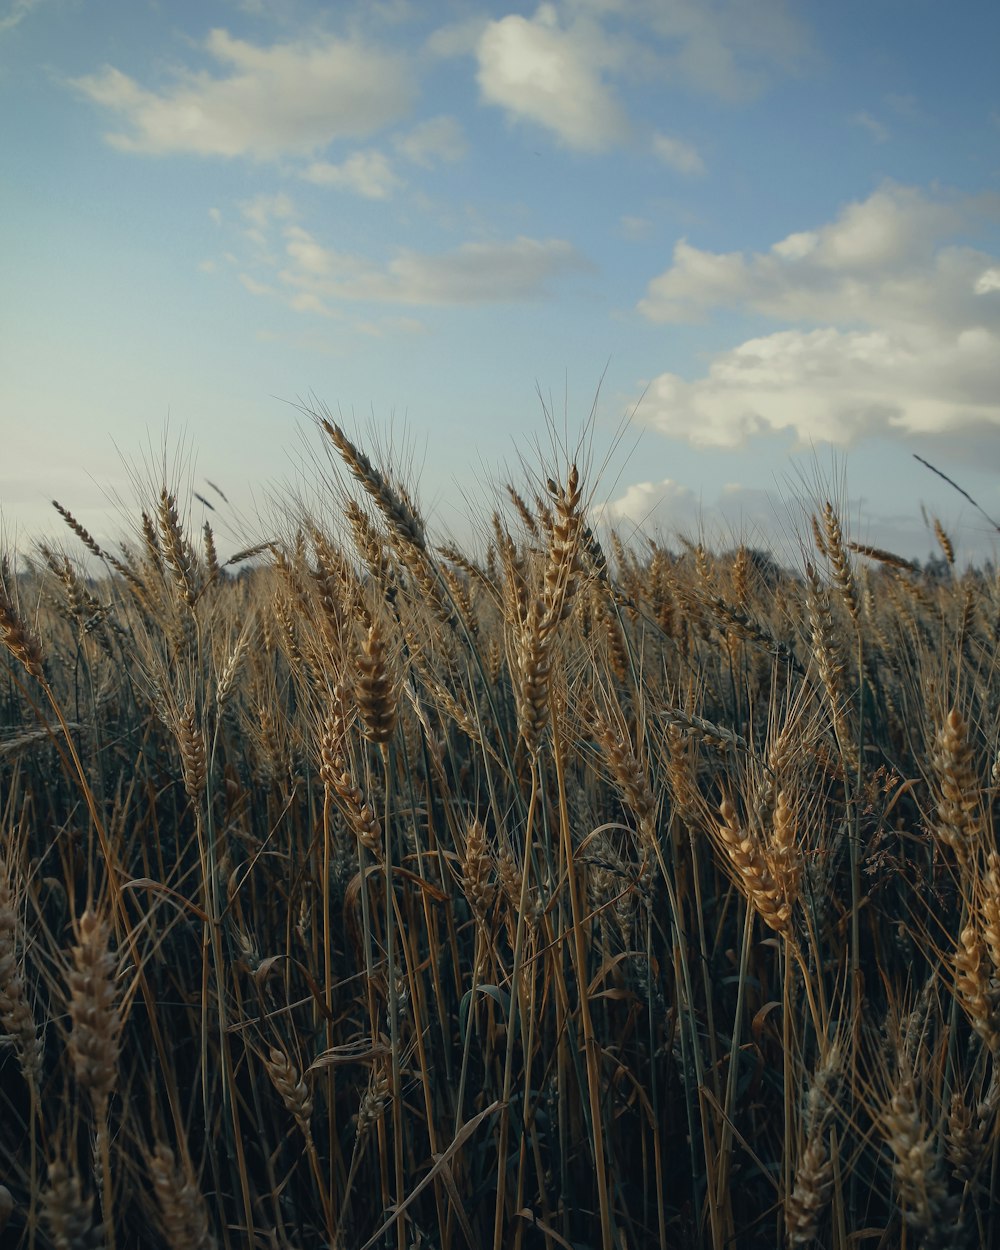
[93,1010]
[184,1219]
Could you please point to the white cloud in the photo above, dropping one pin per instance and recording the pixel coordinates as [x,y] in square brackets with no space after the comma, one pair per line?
[474,273]
[874,259]
[680,156]
[561,67]
[216,216]
[988,281]
[888,328]
[669,508]
[367,173]
[697,281]
[264,101]
[667,504]
[539,72]
[439,139]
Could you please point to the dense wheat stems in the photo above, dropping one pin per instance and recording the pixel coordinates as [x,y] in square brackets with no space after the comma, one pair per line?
[569,888]
[94,1038]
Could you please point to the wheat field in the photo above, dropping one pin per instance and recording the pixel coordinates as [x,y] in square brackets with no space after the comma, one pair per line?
[360,891]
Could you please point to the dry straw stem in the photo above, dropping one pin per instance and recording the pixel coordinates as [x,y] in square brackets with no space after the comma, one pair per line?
[93,1009]
[184,1218]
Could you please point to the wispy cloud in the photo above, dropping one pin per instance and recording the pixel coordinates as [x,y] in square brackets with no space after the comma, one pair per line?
[437,140]
[265,208]
[264,102]
[903,104]
[682,157]
[878,131]
[368,174]
[634,228]
[17,11]
[474,273]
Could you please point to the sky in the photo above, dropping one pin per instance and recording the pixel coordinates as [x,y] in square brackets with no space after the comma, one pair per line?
[761,237]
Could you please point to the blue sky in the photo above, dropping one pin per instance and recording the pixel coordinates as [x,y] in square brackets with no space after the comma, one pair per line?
[774,230]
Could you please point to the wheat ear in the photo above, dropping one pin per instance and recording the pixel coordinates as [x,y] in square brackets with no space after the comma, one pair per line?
[93,1010]
[183,1214]
[958,822]
[69,1215]
[15,635]
[16,1016]
[291,1086]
